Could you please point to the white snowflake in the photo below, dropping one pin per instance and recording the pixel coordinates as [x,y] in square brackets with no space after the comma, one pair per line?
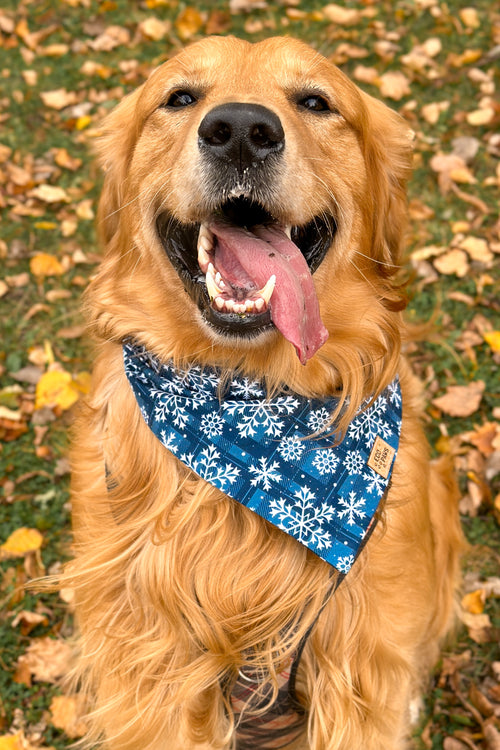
[260,417]
[169,441]
[212,424]
[394,393]
[325,461]
[375,483]
[354,462]
[318,419]
[209,467]
[344,563]
[352,508]
[246,389]
[303,519]
[291,448]
[370,423]
[265,473]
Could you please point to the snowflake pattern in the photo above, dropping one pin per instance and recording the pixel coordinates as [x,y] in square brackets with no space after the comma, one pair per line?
[303,518]
[265,473]
[370,422]
[352,508]
[291,448]
[325,461]
[277,456]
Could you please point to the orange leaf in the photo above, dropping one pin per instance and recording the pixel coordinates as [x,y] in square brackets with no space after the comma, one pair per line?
[44,264]
[188,23]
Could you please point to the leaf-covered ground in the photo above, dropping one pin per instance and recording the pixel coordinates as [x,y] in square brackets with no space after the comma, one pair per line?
[63,65]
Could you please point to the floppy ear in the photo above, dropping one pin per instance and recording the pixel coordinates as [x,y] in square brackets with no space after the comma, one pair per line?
[114,148]
[388,142]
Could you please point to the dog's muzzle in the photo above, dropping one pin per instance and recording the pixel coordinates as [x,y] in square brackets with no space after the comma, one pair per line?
[245,269]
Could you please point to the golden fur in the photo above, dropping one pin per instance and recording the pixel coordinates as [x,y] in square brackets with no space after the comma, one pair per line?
[172,578]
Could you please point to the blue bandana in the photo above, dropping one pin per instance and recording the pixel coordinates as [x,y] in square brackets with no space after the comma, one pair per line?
[254,450]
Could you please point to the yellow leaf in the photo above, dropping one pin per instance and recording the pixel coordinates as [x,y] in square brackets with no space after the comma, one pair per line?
[44,264]
[10,742]
[83,122]
[394,85]
[492,338]
[56,388]
[48,225]
[474,602]
[20,542]
[188,23]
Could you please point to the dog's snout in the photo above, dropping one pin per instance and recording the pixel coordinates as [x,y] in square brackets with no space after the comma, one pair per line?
[241,133]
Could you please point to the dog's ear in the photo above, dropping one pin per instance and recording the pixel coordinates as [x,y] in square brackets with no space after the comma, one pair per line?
[388,143]
[114,148]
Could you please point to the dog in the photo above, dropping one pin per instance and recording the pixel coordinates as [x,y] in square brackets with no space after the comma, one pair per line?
[265,556]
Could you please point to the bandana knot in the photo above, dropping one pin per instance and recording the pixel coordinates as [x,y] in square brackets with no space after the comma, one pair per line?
[273,455]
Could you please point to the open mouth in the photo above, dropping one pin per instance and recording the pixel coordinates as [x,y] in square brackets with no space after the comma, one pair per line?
[247,273]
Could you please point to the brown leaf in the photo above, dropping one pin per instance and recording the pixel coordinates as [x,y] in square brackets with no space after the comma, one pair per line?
[46,659]
[188,23]
[461,400]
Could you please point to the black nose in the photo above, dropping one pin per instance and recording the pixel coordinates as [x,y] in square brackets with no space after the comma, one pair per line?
[241,133]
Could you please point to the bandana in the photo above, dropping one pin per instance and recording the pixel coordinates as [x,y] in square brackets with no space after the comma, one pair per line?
[273,455]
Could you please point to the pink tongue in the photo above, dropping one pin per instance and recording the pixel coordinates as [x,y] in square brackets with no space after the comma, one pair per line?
[247,259]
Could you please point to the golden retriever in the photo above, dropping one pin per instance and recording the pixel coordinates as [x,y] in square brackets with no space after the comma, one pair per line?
[252,217]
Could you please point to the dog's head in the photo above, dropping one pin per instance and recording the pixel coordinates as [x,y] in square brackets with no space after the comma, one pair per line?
[254,197]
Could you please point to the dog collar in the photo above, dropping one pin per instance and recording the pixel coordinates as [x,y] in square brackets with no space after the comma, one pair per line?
[273,455]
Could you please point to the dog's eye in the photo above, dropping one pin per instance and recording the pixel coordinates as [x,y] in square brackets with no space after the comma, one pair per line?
[180,99]
[314,103]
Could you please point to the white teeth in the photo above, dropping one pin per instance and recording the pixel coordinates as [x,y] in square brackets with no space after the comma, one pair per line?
[259,304]
[212,288]
[268,289]
[205,247]
[288,232]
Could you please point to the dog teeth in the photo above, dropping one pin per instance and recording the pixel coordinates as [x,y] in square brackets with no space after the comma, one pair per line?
[214,290]
[267,290]
[205,247]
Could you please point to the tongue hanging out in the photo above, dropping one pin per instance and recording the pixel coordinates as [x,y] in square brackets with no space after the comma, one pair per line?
[253,270]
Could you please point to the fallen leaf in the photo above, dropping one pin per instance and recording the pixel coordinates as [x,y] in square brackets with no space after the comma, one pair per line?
[477,248]
[44,264]
[394,85]
[481,116]
[56,388]
[188,23]
[492,338]
[453,262]
[432,112]
[461,400]
[153,28]
[340,15]
[28,620]
[46,659]
[11,742]
[50,194]
[58,98]
[474,602]
[469,17]
[20,542]
[67,714]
